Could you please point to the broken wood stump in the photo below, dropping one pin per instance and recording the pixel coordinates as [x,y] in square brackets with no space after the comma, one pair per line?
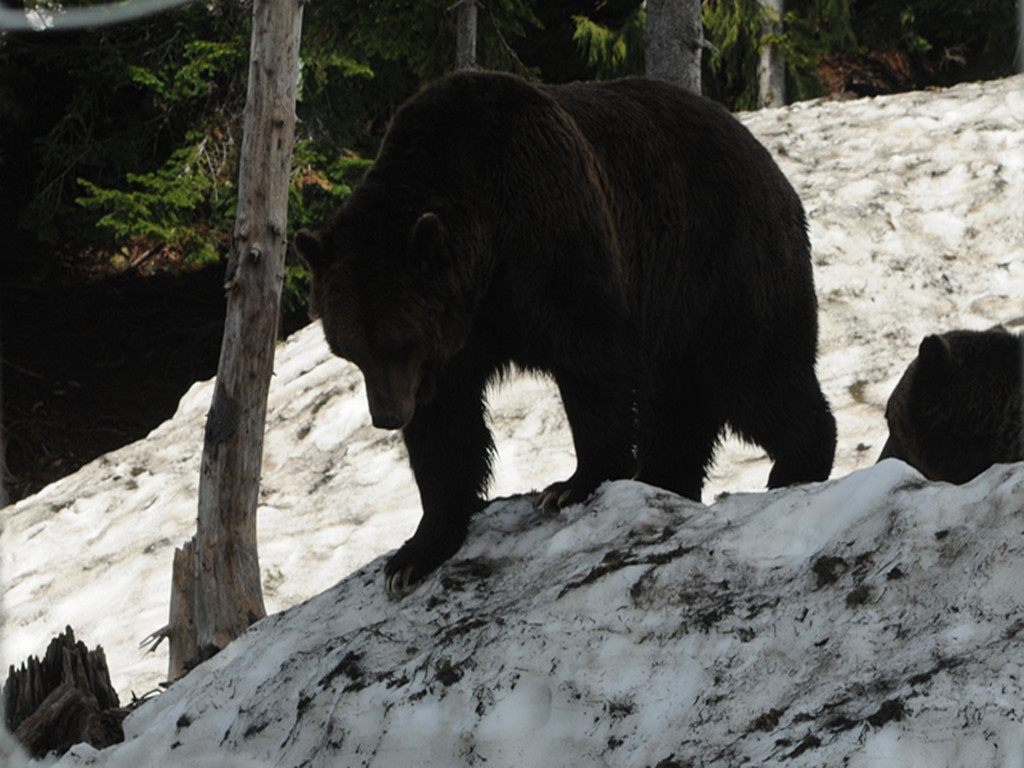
[63,700]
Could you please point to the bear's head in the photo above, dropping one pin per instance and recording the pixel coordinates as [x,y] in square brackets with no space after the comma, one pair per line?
[957,408]
[388,303]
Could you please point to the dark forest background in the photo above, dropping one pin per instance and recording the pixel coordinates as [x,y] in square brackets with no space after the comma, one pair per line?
[119,150]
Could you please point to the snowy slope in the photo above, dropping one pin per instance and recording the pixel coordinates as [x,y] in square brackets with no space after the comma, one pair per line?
[916,204]
[872,620]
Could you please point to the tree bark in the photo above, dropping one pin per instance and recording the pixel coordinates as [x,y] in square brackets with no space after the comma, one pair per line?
[465,41]
[1020,36]
[771,68]
[216,586]
[674,39]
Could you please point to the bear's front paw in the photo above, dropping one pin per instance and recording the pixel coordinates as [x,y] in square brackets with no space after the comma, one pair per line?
[415,561]
[406,569]
[563,494]
[401,582]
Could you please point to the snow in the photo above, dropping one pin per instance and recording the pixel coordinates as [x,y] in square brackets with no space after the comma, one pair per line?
[866,621]
[669,630]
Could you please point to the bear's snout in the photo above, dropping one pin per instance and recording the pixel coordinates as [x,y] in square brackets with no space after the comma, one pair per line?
[391,395]
[390,413]
[388,419]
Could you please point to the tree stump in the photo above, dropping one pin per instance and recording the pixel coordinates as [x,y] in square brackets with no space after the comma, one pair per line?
[63,700]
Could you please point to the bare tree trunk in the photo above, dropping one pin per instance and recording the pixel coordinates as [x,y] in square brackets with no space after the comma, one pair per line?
[216,592]
[465,42]
[771,68]
[1020,36]
[674,40]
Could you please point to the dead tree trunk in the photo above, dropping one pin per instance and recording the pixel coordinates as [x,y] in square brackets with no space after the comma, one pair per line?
[673,42]
[465,35]
[216,592]
[771,68]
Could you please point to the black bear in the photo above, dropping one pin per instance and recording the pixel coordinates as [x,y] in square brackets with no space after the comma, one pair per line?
[957,410]
[630,239]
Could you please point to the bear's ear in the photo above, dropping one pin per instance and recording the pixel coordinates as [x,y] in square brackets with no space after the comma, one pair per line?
[310,249]
[934,357]
[426,240]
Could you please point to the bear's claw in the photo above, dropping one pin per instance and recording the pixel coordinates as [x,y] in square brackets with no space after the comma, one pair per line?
[415,561]
[558,496]
[401,582]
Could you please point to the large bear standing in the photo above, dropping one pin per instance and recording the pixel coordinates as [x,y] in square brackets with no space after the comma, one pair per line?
[630,239]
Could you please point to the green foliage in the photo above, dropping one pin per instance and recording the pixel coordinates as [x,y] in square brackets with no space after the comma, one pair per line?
[319,184]
[126,138]
[612,53]
[910,39]
[418,36]
[738,29]
[185,206]
[735,27]
[134,130]
[176,82]
[933,39]
[296,287]
[812,30]
[976,38]
[131,128]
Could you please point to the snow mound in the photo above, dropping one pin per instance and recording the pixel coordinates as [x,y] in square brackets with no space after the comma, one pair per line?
[871,620]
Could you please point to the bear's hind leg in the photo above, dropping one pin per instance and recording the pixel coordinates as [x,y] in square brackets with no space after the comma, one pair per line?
[792,421]
[599,409]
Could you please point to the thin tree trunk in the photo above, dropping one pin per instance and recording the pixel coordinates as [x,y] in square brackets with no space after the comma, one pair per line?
[1020,36]
[674,39]
[771,68]
[465,43]
[216,592]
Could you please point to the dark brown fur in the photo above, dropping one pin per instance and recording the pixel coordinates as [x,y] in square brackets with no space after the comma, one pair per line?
[630,239]
[958,408]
